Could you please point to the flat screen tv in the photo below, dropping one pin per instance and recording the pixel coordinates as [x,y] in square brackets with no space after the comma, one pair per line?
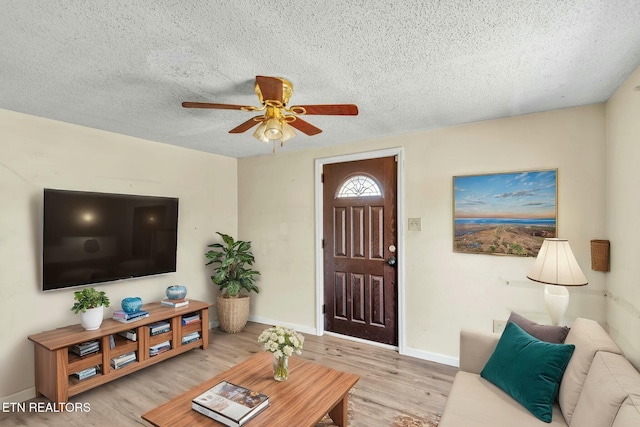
[99,237]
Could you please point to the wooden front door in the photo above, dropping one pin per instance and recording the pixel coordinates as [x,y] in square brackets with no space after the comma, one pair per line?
[359,241]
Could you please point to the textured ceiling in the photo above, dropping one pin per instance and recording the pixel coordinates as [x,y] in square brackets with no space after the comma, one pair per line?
[126,65]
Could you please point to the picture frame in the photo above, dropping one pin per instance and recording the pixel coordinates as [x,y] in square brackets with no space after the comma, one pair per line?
[504,213]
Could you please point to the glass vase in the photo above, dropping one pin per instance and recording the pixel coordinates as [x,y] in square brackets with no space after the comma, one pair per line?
[280,368]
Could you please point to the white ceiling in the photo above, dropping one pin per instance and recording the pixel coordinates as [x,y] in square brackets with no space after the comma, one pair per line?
[126,65]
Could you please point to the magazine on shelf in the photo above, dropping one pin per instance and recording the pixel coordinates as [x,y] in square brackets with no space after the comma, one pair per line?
[121,314]
[85,348]
[135,319]
[193,336]
[131,334]
[159,348]
[175,303]
[193,318]
[159,327]
[230,404]
[122,360]
[87,373]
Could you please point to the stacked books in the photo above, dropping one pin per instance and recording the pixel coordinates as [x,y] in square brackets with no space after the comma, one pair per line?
[159,348]
[123,360]
[230,404]
[131,334]
[193,336]
[85,348]
[191,318]
[124,317]
[175,303]
[159,328]
[86,373]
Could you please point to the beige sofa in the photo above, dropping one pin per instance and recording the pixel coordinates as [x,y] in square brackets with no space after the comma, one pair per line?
[599,388]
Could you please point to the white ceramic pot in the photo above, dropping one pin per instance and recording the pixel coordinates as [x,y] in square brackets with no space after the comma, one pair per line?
[92,318]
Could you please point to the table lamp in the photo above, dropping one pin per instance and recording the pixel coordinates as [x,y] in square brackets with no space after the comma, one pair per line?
[556,267]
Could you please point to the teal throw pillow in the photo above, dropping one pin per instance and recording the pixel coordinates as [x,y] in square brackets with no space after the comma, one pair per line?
[527,369]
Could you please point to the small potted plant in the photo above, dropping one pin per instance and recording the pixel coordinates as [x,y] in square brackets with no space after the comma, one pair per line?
[91,304]
[232,275]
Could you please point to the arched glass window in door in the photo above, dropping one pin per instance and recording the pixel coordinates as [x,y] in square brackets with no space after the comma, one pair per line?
[359,186]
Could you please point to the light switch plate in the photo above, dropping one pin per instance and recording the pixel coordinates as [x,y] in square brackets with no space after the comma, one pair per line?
[415,224]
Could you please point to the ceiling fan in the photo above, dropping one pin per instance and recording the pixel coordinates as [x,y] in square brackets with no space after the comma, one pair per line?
[278,120]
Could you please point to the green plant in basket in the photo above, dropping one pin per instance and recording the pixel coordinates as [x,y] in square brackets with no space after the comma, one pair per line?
[233,273]
[89,298]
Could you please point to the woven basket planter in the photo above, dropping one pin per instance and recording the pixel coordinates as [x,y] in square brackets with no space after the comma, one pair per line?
[233,313]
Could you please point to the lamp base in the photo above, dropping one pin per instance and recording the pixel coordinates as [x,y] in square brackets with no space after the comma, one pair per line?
[556,298]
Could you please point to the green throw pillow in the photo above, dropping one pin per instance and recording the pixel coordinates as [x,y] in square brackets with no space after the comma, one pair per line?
[527,369]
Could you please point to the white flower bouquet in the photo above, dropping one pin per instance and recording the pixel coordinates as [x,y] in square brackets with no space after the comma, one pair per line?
[281,341]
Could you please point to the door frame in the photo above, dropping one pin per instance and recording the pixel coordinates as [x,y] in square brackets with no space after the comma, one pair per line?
[319,163]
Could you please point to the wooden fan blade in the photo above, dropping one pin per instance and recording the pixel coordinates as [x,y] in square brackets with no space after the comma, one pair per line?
[246,125]
[305,127]
[329,109]
[216,106]
[270,87]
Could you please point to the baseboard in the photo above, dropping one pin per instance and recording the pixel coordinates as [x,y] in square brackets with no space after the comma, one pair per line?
[268,321]
[432,357]
[21,396]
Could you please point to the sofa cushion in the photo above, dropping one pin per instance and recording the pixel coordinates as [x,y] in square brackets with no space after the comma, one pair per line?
[548,333]
[528,369]
[611,380]
[475,349]
[475,402]
[588,337]
[629,413]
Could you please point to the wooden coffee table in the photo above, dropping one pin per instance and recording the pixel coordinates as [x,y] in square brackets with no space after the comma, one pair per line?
[311,392]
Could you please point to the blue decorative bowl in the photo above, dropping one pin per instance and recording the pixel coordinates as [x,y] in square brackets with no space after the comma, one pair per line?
[131,304]
[176,292]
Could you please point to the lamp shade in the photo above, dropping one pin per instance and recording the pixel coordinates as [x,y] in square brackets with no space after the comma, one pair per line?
[556,265]
[259,133]
[273,130]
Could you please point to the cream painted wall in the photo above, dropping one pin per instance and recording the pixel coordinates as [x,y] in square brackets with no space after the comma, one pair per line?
[623,213]
[36,153]
[445,291]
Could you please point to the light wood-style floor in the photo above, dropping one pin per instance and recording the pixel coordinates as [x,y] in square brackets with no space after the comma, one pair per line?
[393,390]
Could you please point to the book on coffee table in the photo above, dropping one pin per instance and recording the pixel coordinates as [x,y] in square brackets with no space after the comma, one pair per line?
[230,404]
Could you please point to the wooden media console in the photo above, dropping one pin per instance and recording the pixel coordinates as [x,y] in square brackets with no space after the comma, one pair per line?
[56,364]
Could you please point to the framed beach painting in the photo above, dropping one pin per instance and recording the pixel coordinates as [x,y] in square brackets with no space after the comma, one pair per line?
[504,213]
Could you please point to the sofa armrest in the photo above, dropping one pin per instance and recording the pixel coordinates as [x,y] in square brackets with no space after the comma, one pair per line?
[475,349]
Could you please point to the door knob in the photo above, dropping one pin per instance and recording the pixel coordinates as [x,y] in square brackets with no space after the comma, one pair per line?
[391,261]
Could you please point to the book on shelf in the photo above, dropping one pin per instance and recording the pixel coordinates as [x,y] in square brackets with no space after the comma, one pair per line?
[175,303]
[112,341]
[82,349]
[159,327]
[230,404]
[121,314]
[87,373]
[131,334]
[135,319]
[192,318]
[159,348]
[123,360]
[193,336]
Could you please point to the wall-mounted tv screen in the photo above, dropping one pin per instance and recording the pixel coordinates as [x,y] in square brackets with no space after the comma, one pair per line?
[98,237]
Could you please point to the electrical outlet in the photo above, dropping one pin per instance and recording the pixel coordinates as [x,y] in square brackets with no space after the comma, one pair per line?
[415,224]
[499,325]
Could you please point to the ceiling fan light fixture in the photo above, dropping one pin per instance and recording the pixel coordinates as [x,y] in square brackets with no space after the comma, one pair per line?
[273,129]
[259,133]
[287,132]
